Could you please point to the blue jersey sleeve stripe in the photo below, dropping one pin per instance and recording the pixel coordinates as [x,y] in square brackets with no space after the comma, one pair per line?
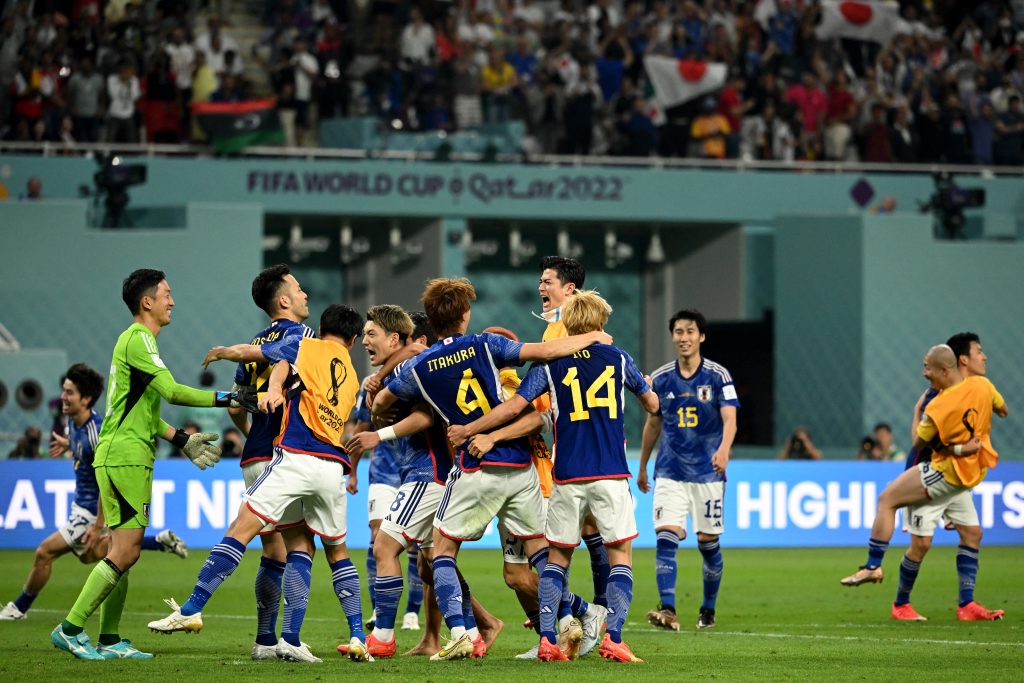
[552,393]
[667,367]
[495,372]
[423,392]
[719,369]
[622,385]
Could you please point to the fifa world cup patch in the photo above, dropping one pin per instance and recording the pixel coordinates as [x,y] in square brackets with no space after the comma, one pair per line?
[704,393]
[145,509]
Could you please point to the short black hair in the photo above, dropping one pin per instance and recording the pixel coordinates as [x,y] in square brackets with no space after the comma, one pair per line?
[87,381]
[688,314]
[883,425]
[961,344]
[342,321]
[267,284]
[568,269]
[140,283]
[422,328]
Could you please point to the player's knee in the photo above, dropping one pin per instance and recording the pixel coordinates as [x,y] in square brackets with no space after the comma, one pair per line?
[919,547]
[518,577]
[970,536]
[43,557]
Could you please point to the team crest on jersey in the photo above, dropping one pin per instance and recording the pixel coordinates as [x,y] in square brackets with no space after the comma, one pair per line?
[145,509]
[704,393]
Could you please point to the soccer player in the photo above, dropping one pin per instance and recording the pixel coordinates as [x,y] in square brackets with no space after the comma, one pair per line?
[302,491]
[458,377]
[560,278]
[424,462]
[278,294]
[124,461]
[83,534]
[697,425]
[588,403]
[958,508]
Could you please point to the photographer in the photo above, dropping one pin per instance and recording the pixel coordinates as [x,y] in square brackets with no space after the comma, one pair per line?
[231,443]
[799,446]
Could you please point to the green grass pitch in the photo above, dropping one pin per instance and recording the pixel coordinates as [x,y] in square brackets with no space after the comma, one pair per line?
[782,615]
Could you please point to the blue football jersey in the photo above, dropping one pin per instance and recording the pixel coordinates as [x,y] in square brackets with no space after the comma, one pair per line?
[82,444]
[691,428]
[458,377]
[588,401]
[384,467]
[259,443]
[425,455]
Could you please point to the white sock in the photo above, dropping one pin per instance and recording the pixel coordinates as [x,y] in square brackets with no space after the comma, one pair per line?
[384,635]
[458,632]
[473,633]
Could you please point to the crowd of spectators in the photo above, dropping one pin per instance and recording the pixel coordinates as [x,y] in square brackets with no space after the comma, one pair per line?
[946,89]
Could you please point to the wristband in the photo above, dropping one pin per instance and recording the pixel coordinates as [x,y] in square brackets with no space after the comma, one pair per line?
[180,438]
[387,434]
[222,399]
[958,449]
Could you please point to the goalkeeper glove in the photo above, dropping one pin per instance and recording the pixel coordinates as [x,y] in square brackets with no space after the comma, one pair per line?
[198,447]
[242,397]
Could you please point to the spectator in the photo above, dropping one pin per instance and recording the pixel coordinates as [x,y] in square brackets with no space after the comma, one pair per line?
[809,98]
[1010,130]
[306,70]
[983,131]
[887,449]
[215,44]
[904,142]
[33,189]
[767,137]
[123,92]
[83,91]
[231,443]
[869,450]
[877,137]
[799,446]
[162,106]
[842,109]
[581,99]
[709,131]
[497,80]
[418,41]
[334,56]
[28,444]
[466,86]
[229,91]
[956,135]
[183,62]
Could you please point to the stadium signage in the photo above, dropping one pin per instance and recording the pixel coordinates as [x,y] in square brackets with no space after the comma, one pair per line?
[767,504]
[482,186]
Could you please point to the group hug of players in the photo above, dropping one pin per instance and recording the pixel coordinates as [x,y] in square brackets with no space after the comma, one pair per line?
[468,439]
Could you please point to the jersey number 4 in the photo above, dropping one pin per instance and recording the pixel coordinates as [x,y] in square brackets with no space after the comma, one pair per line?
[471,395]
[605,381]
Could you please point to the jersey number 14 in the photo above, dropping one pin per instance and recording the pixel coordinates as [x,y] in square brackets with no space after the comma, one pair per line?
[605,381]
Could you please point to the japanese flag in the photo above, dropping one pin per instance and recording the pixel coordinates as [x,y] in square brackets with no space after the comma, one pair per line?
[655,112]
[876,22]
[680,80]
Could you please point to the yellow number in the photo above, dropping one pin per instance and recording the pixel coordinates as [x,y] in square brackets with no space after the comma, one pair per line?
[689,417]
[605,381]
[471,383]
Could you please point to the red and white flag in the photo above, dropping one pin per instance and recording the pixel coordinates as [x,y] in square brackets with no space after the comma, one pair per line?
[680,80]
[876,22]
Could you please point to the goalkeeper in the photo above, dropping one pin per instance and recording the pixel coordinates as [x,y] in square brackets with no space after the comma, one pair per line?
[124,461]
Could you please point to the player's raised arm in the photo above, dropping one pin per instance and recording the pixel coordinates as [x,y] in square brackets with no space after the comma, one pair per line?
[144,357]
[240,353]
[560,348]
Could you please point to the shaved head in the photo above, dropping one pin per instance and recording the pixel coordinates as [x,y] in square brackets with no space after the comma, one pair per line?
[941,356]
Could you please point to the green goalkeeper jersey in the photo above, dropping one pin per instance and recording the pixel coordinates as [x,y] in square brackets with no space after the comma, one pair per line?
[138,380]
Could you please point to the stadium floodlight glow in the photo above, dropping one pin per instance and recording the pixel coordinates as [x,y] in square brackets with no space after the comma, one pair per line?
[655,251]
[615,252]
[402,249]
[350,247]
[566,247]
[519,250]
[302,246]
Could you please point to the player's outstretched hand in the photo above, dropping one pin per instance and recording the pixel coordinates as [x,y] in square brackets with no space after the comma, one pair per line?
[246,398]
[213,355]
[201,450]
[481,445]
[458,434]
[58,444]
[270,401]
[642,482]
[363,441]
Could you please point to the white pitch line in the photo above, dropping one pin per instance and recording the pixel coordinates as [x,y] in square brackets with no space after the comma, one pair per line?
[636,627]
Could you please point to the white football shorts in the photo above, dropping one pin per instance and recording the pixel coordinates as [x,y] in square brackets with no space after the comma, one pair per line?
[410,518]
[472,499]
[378,500]
[74,529]
[250,473]
[608,500]
[512,546]
[674,500]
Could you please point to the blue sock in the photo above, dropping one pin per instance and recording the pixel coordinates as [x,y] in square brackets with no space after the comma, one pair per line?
[24,601]
[223,559]
[549,592]
[620,594]
[908,575]
[876,553]
[665,568]
[150,543]
[572,603]
[539,560]
[712,571]
[467,605]
[268,599]
[298,575]
[346,587]
[371,575]
[415,598]
[448,591]
[389,592]
[967,571]
[599,567]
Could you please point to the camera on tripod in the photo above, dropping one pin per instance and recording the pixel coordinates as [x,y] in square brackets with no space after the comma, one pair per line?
[114,178]
[948,204]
